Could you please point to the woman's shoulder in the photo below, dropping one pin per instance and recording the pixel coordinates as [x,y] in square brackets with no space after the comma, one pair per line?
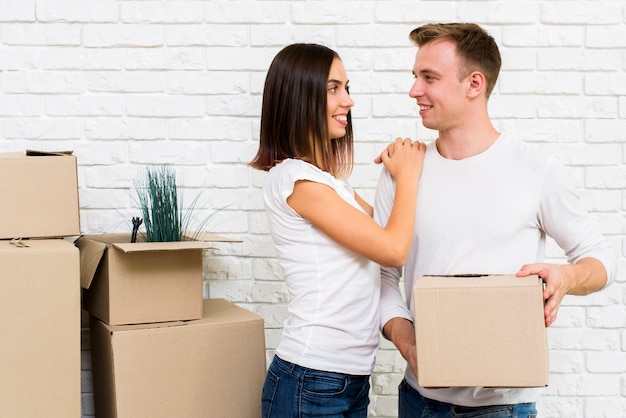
[300,170]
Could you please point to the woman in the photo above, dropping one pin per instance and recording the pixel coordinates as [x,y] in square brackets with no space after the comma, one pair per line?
[328,245]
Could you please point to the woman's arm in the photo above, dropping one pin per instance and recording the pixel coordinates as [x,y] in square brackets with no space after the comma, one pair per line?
[357,231]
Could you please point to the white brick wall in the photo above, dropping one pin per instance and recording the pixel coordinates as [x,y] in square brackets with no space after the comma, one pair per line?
[127,83]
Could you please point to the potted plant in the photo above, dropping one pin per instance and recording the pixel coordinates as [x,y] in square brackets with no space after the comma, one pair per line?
[164,217]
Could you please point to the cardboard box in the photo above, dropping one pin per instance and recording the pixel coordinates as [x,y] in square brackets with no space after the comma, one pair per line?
[40,196]
[480,331]
[212,367]
[40,326]
[142,282]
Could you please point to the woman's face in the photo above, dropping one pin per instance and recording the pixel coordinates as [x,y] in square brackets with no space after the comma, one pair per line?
[339,100]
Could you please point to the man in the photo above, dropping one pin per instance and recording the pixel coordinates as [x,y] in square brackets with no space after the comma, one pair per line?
[486,204]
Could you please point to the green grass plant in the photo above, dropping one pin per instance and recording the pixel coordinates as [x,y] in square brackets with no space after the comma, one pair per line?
[164,217]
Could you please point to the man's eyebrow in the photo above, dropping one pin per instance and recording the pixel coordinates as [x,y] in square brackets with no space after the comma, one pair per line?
[426,71]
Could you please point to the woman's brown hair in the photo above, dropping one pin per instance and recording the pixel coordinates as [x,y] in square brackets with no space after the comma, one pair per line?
[294,114]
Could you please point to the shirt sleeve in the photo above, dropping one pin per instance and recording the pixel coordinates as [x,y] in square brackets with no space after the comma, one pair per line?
[563,217]
[392,304]
[289,172]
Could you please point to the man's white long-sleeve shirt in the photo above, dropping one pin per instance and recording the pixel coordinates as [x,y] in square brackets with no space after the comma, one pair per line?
[487,214]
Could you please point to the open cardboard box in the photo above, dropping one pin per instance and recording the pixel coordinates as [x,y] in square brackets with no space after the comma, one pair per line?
[142,282]
[212,367]
[480,331]
[40,195]
[40,326]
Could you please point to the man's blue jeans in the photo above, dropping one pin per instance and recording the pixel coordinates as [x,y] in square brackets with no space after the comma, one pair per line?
[294,391]
[413,405]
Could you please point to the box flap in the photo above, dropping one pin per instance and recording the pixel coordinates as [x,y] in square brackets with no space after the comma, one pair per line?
[37,153]
[462,281]
[208,236]
[91,253]
[134,327]
[92,248]
[220,310]
[122,242]
[136,247]
[217,311]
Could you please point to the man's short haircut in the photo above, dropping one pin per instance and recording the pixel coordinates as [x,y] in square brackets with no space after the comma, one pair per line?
[477,49]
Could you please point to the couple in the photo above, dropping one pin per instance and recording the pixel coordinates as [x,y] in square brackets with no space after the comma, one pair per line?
[342,258]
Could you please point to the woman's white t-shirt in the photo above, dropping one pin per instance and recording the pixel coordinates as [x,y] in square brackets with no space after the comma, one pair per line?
[333,320]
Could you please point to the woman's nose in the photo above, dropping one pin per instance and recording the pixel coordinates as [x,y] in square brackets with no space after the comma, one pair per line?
[347,100]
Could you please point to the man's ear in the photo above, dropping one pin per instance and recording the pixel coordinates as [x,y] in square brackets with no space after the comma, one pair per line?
[477,84]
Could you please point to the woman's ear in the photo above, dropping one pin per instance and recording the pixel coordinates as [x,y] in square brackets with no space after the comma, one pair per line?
[477,84]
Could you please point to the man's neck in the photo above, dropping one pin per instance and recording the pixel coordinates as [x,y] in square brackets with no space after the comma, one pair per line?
[462,144]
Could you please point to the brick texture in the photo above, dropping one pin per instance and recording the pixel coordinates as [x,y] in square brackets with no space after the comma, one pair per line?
[129,83]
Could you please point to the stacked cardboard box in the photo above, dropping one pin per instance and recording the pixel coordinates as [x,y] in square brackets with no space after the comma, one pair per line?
[39,286]
[40,195]
[210,367]
[159,349]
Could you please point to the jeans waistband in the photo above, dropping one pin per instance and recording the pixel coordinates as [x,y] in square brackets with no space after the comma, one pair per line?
[299,370]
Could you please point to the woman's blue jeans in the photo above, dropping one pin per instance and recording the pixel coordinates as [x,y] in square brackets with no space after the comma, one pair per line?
[413,405]
[292,391]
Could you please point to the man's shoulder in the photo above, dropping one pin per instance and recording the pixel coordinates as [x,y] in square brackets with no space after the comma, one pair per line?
[529,152]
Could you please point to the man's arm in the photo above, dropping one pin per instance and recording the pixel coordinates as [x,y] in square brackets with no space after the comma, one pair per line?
[590,259]
[586,276]
[401,333]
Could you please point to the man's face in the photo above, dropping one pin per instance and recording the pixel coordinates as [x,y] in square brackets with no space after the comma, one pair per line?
[439,93]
